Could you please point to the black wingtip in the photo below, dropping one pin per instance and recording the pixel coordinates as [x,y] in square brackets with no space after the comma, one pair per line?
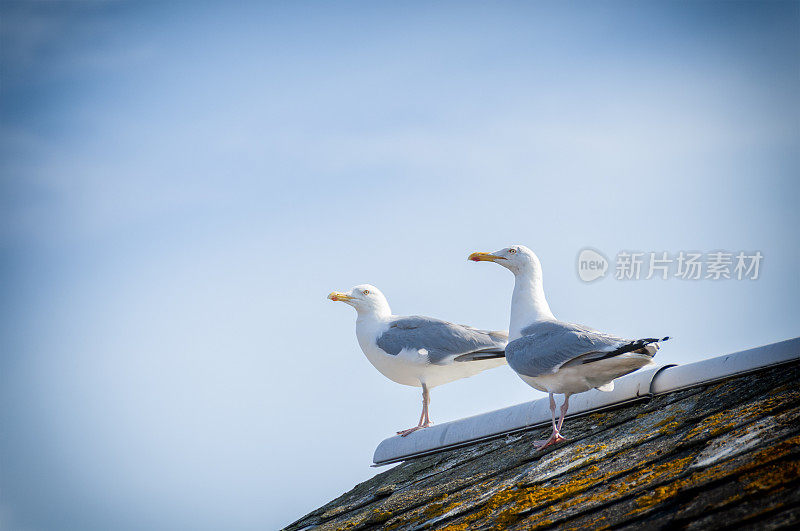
[480,356]
[665,338]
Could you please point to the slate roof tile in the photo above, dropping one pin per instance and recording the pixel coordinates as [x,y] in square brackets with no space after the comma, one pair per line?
[702,458]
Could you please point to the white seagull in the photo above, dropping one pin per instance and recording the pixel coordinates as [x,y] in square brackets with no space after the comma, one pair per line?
[419,351]
[554,356]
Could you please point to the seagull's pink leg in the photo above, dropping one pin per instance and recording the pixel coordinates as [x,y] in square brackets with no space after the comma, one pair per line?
[555,437]
[424,419]
[564,408]
[426,400]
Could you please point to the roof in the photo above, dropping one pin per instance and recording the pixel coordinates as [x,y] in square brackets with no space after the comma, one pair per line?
[719,452]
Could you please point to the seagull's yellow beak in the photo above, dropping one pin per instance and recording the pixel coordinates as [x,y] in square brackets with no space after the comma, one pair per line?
[339,296]
[484,257]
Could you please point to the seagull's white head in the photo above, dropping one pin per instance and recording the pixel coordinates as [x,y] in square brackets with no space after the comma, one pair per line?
[528,303]
[365,298]
[517,259]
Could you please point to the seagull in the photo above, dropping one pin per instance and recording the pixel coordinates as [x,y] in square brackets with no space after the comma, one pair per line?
[419,351]
[557,357]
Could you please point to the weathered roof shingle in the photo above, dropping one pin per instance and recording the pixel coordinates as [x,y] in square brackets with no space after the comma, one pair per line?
[707,457]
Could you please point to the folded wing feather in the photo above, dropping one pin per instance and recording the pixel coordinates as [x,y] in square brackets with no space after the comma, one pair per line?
[547,345]
[444,341]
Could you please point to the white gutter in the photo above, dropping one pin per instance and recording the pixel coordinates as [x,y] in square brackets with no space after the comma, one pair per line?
[636,386]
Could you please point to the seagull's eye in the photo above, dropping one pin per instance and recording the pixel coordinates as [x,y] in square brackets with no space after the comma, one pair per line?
[365,292]
[512,251]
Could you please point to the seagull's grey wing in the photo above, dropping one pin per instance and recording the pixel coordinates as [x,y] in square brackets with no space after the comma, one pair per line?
[548,345]
[444,341]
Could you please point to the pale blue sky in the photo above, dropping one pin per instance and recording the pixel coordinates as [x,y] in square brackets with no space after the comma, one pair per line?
[183,184]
